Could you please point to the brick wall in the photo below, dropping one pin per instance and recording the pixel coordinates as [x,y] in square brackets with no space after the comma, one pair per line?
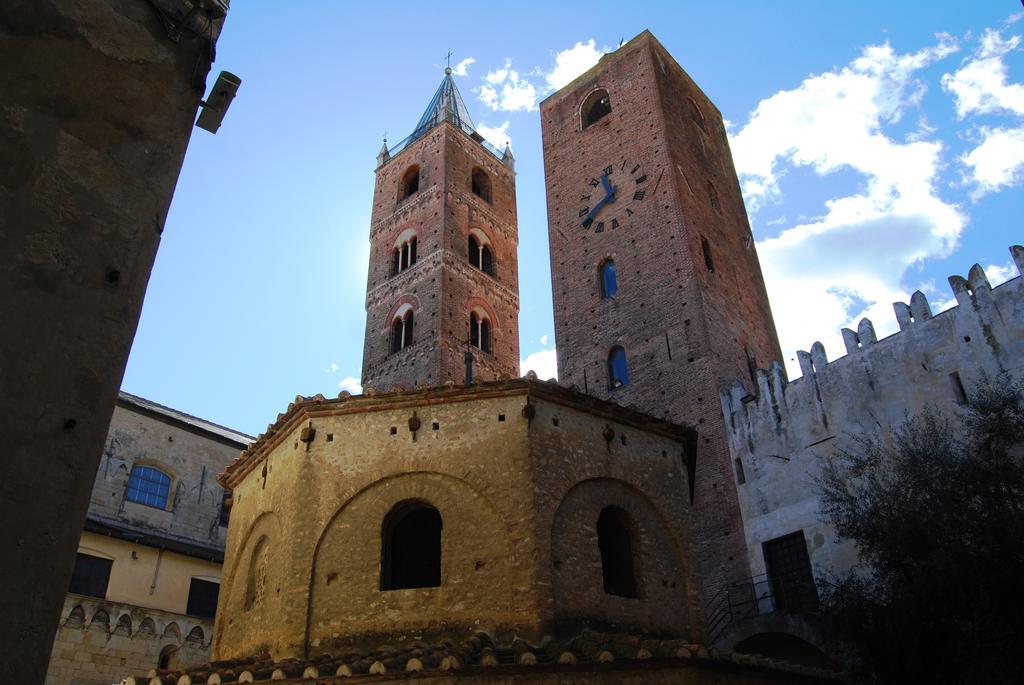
[685,328]
[442,285]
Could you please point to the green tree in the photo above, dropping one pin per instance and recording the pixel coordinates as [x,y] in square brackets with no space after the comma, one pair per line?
[937,512]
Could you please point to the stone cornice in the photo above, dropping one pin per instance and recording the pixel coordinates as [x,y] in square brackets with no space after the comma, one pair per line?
[304,409]
[449,259]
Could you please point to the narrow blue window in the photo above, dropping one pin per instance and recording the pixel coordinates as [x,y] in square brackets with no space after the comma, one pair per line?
[618,376]
[609,284]
[148,486]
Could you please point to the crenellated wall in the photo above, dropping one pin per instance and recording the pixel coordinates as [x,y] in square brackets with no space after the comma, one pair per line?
[778,435]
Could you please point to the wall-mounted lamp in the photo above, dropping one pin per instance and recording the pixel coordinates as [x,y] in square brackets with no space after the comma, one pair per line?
[216,104]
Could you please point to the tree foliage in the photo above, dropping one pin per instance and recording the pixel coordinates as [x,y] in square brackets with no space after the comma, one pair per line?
[937,512]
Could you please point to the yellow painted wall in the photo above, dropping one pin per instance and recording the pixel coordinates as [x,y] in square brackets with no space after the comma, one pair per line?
[145,576]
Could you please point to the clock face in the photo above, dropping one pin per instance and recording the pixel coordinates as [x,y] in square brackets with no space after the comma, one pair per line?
[612,196]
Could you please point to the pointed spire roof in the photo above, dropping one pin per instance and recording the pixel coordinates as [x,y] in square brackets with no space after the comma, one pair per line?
[447,104]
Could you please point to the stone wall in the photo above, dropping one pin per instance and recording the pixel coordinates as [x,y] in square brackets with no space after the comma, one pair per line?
[779,435]
[518,496]
[98,642]
[97,104]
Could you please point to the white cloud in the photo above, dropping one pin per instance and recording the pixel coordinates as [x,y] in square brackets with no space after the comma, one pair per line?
[829,271]
[997,273]
[998,161]
[351,384]
[544,340]
[543,363]
[572,62]
[505,89]
[332,368]
[980,86]
[462,68]
[497,136]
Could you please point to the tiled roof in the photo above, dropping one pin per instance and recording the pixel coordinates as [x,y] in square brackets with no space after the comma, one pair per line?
[586,652]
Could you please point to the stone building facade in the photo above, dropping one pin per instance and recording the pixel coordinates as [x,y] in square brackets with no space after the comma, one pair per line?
[659,301]
[144,588]
[780,434]
[97,102]
[518,472]
[443,277]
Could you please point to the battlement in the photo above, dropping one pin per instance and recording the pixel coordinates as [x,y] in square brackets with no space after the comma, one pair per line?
[778,435]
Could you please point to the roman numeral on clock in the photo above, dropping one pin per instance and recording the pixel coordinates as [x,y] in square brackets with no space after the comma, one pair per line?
[638,195]
[584,211]
[599,227]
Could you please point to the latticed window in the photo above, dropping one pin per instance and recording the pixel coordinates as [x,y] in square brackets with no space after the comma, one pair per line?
[148,485]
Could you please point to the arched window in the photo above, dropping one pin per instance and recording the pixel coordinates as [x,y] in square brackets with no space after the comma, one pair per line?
[480,255]
[609,283]
[164,660]
[481,184]
[410,182]
[618,376]
[256,580]
[479,332]
[616,546]
[596,106]
[403,256]
[148,485]
[410,549]
[713,197]
[401,332]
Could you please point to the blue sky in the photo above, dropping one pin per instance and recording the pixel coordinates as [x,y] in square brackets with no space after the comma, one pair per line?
[880,147]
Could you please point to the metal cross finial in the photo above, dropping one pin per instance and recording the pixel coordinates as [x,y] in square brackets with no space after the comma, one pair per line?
[448,59]
[385,136]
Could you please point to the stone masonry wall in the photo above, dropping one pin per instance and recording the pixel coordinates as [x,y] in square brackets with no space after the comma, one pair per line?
[97,103]
[98,642]
[781,435]
[518,497]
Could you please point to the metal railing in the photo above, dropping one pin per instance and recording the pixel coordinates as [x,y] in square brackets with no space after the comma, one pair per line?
[759,595]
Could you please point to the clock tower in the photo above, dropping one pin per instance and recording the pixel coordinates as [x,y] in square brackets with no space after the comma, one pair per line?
[659,300]
[442,294]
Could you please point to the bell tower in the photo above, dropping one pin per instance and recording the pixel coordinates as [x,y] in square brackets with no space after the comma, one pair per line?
[442,293]
[659,300]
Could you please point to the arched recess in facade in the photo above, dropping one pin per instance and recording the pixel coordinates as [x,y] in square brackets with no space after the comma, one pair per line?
[478,567]
[264,532]
[407,302]
[666,598]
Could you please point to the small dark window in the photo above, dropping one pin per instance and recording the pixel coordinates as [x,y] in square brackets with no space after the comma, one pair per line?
[481,184]
[616,546]
[149,486]
[202,598]
[396,261]
[401,332]
[741,477]
[959,393]
[713,197]
[90,576]
[164,661]
[618,375]
[595,107]
[479,332]
[225,512]
[411,547]
[410,183]
[609,283]
[705,247]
